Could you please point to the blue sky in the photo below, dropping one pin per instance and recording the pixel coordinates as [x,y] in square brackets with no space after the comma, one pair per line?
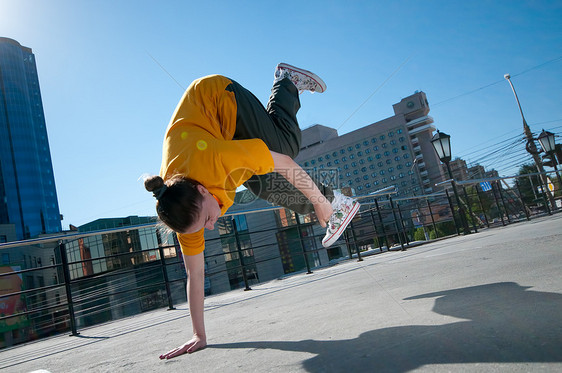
[112,72]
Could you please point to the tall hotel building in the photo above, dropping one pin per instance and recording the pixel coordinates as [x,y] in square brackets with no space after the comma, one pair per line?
[28,197]
[394,151]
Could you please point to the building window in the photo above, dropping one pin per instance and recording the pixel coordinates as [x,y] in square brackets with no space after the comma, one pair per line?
[351,156]
[336,161]
[378,156]
[367,151]
[392,142]
[405,156]
[376,182]
[388,161]
[5,257]
[367,185]
[380,164]
[382,137]
[386,153]
[370,159]
[399,167]
[327,156]
[401,175]
[361,161]
[384,180]
[320,159]
[355,172]
[346,167]
[381,172]
[334,154]
[397,158]
[359,154]
[350,148]
[329,164]
[372,167]
[399,130]
[342,151]
[357,146]
[373,140]
[357,180]
[391,169]
[408,164]
[359,188]
[313,162]
[374,174]
[402,139]
[364,169]
[393,178]
[376,147]
[390,134]
[349,182]
[384,145]
[344,159]
[395,150]
[365,177]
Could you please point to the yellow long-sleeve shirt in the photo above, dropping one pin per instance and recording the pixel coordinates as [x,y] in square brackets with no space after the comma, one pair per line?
[198,144]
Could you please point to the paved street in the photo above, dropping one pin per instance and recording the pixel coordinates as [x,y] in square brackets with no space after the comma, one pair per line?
[490,301]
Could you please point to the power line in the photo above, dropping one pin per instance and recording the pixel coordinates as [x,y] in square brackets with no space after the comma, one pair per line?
[498,81]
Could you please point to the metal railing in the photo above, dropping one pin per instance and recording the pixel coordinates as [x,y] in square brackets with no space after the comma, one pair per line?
[82,286]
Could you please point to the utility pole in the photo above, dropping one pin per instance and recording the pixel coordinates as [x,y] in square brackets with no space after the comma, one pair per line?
[532,148]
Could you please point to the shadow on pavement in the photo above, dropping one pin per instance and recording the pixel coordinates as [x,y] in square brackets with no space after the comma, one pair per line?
[506,324]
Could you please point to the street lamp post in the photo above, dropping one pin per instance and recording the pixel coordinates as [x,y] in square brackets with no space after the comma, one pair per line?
[442,144]
[531,147]
[546,139]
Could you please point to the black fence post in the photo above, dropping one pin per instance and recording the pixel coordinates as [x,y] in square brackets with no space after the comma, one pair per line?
[522,202]
[165,276]
[482,207]
[453,212]
[503,203]
[299,230]
[67,287]
[396,224]
[382,225]
[470,210]
[359,259]
[240,256]
[402,225]
[432,219]
[375,229]
[497,203]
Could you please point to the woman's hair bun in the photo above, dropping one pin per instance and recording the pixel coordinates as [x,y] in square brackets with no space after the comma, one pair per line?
[153,183]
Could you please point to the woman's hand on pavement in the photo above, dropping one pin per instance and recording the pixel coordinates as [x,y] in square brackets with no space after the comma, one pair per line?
[194,344]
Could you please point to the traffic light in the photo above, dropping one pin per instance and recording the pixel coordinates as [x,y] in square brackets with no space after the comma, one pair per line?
[548,160]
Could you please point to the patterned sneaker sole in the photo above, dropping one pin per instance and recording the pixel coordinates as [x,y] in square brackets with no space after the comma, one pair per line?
[311,75]
[327,242]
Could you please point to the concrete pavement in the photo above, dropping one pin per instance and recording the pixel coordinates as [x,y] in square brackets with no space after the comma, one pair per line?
[490,301]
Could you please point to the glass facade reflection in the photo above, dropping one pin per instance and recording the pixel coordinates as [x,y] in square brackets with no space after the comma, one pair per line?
[28,196]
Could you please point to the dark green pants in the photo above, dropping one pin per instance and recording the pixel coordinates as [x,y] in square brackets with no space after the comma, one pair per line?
[277,126]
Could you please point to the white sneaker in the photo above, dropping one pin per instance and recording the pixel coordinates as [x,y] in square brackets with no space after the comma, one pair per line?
[345,209]
[304,80]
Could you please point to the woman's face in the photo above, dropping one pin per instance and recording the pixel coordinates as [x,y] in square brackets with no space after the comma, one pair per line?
[209,212]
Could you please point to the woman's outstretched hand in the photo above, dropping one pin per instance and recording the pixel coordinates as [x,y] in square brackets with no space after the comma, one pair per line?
[194,344]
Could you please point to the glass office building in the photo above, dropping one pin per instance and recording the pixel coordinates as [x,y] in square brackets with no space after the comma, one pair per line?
[28,197]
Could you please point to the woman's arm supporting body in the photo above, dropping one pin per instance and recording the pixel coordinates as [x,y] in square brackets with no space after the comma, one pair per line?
[195,267]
